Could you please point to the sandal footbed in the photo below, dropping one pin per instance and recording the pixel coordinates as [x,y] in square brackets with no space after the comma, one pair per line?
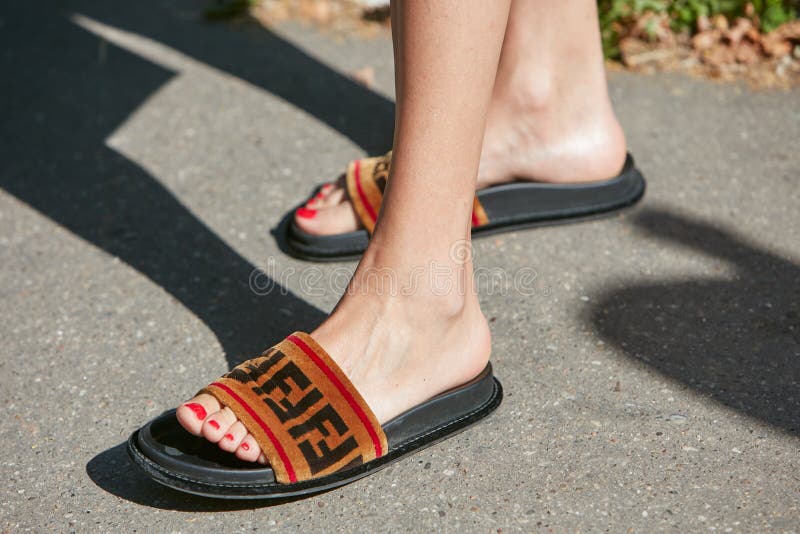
[174,457]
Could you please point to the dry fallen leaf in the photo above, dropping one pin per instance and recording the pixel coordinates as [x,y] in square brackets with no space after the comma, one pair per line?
[720,22]
[738,31]
[718,55]
[789,30]
[775,45]
[754,35]
[747,53]
[706,39]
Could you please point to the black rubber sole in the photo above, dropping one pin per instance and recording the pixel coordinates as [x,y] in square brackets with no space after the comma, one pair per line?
[510,207]
[201,468]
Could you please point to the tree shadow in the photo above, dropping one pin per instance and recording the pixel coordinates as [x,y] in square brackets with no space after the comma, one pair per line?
[64,96]
[735,341]
[262,58]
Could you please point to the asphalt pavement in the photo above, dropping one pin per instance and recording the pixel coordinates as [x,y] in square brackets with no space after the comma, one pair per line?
[652,369]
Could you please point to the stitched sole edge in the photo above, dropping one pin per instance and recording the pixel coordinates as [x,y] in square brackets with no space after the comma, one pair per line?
[281,491]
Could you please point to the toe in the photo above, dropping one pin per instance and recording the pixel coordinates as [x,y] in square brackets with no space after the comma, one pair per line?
[248,450]
[306,219]
[329,220]
[203,416]
[332,192]
[217,424]
[326,195]
[194,412]
[329,212]
[325,190]
[317,201]
[332,196]
[232,437]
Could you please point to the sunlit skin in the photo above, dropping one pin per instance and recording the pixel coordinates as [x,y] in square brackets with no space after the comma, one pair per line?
[465,118]
[548,120]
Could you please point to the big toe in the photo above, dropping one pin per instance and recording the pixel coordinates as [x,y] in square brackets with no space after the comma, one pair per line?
[327,220]
[194,412]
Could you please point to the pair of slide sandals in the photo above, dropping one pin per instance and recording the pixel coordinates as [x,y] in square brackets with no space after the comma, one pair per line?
[313,426]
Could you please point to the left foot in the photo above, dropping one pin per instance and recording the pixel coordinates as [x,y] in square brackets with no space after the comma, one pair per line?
[528,136]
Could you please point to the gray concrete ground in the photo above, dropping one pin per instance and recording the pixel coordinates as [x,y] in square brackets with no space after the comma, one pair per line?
[651,373]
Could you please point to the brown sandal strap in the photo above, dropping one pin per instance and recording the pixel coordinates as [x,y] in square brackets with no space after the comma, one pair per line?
[366,181]
[479,217]
[304,413]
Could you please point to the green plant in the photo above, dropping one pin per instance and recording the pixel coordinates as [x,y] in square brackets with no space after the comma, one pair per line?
[773,13]
[618,16]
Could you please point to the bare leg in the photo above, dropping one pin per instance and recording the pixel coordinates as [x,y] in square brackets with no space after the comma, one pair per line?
[402,347]
[550,117]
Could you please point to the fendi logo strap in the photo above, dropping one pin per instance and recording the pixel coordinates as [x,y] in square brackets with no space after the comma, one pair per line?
[366,183]
[303,411]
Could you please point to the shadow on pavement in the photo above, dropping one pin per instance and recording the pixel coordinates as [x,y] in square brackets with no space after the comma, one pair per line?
[66,101]
[735,341]
[257,56]
[113,471]
[64,93]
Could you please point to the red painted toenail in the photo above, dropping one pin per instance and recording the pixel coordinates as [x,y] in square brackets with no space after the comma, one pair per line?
[245,447]
[306,213]
[229,436]
[198,410]
[327,187]
[214,424]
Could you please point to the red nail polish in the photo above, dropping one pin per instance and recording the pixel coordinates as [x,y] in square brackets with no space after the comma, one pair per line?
[214,424]
[198,410]
[306,213]
[327,187]
[245,447]
[229,436]
[319,195]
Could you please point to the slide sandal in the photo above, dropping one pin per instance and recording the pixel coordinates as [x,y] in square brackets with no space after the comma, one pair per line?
[312,425]
[500,208]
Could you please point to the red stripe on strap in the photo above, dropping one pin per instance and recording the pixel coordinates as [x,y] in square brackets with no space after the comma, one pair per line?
[343,390]
[370,210]
[287,464]
[475,221]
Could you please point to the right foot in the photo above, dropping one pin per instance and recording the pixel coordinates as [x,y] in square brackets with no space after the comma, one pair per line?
[397,350]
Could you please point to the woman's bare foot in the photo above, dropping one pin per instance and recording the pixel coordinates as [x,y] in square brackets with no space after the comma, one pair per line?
[528,136]
[398,350]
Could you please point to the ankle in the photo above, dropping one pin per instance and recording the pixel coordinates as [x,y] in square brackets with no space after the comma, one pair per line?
[426,291]
[525,91]
[544,128]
